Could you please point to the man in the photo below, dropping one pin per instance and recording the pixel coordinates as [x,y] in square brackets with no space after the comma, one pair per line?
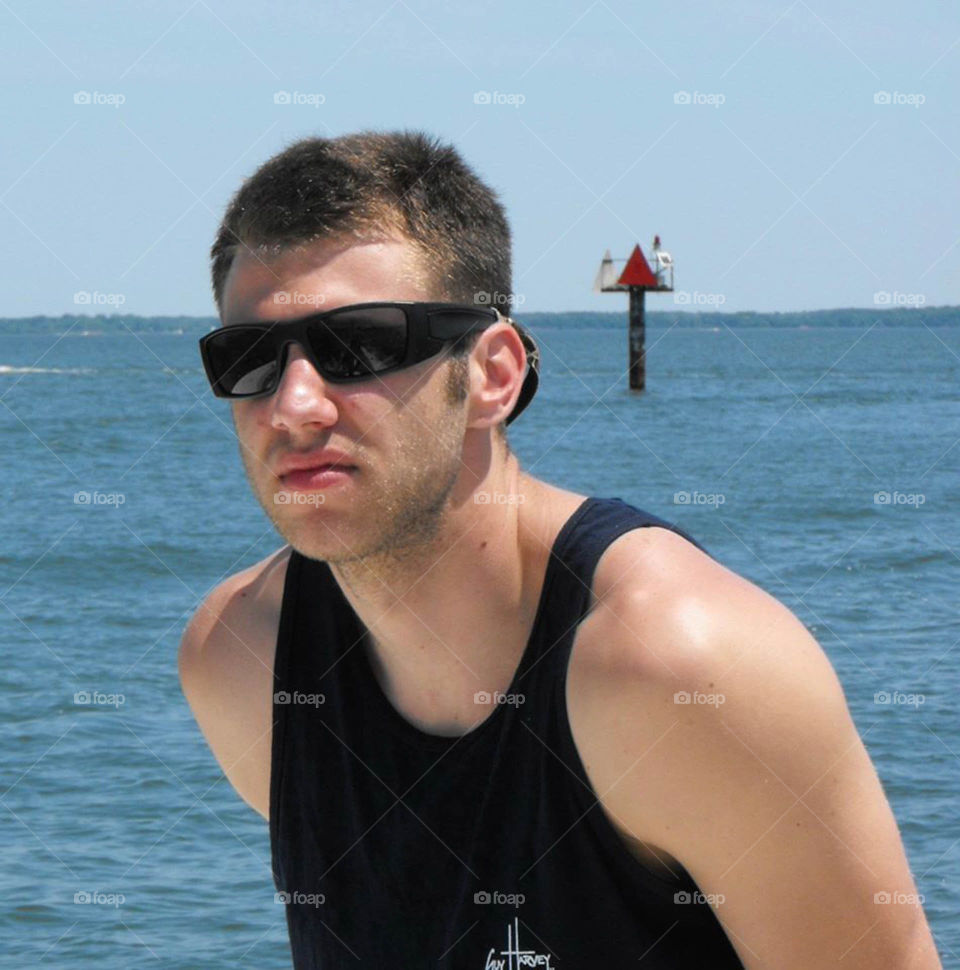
[492,722]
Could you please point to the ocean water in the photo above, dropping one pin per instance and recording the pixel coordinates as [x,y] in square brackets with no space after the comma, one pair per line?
[771,447]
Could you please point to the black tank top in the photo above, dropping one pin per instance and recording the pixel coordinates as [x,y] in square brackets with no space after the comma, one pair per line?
[394,848]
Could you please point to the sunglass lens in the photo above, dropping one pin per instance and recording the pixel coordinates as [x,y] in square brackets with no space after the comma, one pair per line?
[243,360]
[353,344]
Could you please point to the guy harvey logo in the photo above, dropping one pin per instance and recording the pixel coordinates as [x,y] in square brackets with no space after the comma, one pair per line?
[513,958]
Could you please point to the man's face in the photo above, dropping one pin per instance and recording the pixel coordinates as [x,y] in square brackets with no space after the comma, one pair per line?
[402,432]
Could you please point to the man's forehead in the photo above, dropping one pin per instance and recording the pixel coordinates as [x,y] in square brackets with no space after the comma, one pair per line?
[267,283]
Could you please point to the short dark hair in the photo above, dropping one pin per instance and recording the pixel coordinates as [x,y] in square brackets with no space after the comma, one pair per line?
[374,184]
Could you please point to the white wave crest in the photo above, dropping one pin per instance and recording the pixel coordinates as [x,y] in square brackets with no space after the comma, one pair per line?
[10,369]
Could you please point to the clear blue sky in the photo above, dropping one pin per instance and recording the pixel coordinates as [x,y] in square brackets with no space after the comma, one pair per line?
[798,191]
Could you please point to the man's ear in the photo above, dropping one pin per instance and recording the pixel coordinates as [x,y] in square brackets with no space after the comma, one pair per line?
[497,368]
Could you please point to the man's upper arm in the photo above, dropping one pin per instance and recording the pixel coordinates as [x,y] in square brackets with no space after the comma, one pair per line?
[225,663]
[741,759]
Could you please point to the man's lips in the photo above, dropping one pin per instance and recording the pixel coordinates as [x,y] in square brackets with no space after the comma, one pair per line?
[313,462]
[314,471]
[317,477]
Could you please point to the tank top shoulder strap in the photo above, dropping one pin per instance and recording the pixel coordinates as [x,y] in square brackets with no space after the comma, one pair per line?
[307,585]
[596,524]
[305,620]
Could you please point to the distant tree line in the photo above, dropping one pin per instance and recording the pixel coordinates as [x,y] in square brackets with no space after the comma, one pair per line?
[897,316]
[944,316]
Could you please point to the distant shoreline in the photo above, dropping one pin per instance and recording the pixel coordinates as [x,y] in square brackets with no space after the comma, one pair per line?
[896,316]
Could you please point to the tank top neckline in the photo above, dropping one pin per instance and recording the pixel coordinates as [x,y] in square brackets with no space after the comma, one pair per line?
[406,730]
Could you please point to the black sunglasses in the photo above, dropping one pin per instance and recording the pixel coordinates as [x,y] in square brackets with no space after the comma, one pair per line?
[350,343]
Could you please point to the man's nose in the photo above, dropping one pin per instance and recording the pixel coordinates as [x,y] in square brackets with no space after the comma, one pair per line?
[302,396]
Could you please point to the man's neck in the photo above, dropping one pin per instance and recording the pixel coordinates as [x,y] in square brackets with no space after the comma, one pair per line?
[451,617]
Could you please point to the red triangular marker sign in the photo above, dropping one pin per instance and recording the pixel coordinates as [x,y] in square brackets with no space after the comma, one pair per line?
[637,271]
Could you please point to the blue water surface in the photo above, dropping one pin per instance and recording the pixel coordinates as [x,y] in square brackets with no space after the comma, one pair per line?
[769,446]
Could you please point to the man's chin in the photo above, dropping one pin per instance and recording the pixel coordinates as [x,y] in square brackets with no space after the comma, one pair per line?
[310,536]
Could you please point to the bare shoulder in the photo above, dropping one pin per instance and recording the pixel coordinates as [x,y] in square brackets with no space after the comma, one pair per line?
[713,726]
[244,596]
[683,599]
[226,671]
[675,637]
